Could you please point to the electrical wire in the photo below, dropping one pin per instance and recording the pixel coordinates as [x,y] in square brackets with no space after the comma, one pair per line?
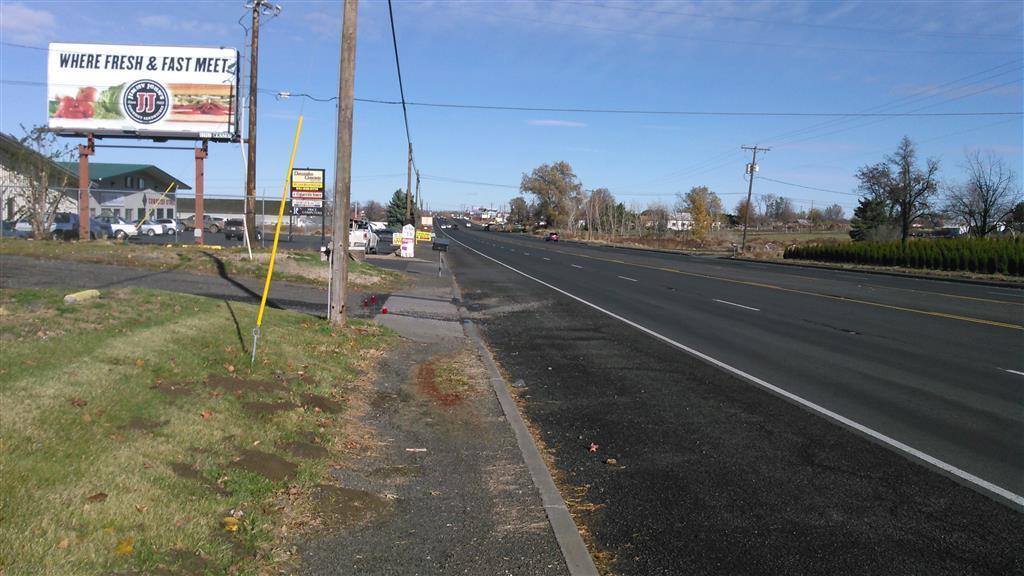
[398,67]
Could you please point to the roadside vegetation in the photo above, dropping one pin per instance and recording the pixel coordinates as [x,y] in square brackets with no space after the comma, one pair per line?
[137,438]
[292,265]
[995,255]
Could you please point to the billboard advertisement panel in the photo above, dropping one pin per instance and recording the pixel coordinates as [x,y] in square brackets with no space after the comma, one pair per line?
[143,91]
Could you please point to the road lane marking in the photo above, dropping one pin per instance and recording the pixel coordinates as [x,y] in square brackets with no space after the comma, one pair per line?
[526,253]
[819,295]
[630,279]
[1014,372]
[982,484]
[576,266]
[737,305]
[548,259]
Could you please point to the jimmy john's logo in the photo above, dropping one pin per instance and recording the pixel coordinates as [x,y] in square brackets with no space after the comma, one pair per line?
[146,101]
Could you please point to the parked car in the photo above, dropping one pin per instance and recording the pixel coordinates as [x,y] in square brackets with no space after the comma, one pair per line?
[235,228]
[210,224]
[9,229]
[119,227]
[361,238]
[65,227]
[551,237]
[152,228]
[170,225]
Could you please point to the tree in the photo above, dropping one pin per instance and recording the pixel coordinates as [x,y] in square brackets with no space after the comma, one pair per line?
[704,206]
[907,187]
[1015,219]
[375,211]
[43,181]
[396,209]
[518,212]
[833,214]
[871,219]
[988,196]
[557,190]
[745,212]
[816,216]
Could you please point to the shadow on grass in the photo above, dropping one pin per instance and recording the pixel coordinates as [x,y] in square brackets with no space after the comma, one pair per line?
[238,328]
[222,271]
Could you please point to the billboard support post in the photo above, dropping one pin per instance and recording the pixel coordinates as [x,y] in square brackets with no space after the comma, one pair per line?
[84,151]
[197,218]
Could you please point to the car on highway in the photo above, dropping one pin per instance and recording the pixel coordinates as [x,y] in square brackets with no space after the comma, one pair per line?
[551,237]
[120,228]
[235,228]
[210,224]
[65,227]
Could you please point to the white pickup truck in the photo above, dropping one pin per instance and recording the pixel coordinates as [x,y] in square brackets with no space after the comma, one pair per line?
[361,237]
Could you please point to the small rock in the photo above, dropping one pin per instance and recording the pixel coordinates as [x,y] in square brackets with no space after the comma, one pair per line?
[519,384]
[82,296]
[611,462]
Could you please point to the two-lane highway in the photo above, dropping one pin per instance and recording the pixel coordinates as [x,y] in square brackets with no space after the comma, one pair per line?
[932,369]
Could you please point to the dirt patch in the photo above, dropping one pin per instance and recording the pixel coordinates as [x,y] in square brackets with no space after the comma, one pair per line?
[268,408]
[340,506]
[324,404]
[173,390]
[190,472]
[143,425]
[270,466]
[243,385]
[426,381]
[306,450]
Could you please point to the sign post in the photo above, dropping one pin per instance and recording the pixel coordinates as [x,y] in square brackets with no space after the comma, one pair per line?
[307,194]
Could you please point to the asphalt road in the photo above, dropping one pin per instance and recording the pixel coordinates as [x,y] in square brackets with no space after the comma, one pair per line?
[716,475]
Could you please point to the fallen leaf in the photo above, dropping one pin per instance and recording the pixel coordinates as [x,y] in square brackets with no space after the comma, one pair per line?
[125,546]
[63,544]
[97,497]
[230,523]
[229,368]
[147,466]
[78,402]
[140,508]
[206,414]
[140,362]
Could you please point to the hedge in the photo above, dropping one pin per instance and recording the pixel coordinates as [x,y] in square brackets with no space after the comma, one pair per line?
[1000,255]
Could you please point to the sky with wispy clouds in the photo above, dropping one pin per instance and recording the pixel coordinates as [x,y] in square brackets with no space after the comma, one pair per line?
[701,79]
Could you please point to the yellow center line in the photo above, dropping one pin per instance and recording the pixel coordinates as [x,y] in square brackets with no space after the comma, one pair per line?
[816,294]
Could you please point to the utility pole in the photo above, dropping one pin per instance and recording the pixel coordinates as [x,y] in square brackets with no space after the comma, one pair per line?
[259,7]
[343,167]
[419,200]
[751,169]
[408,191]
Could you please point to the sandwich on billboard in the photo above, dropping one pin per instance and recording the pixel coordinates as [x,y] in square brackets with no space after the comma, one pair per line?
[143,91]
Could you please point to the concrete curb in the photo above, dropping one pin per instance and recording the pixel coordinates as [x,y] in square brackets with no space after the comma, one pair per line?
[574,551]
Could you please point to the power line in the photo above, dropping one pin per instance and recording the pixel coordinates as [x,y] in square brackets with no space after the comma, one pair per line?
[808,187]
[398,67]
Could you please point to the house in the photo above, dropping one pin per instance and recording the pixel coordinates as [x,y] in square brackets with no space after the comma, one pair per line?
[15,159]
[680,221]
[130,191]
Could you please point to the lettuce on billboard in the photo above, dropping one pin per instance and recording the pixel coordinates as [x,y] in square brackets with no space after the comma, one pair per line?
[145,91]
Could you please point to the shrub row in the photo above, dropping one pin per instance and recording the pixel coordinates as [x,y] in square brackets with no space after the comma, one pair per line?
[1003,255]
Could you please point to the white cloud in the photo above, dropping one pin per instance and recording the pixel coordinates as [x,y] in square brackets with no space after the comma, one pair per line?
[557,123]
[19,23]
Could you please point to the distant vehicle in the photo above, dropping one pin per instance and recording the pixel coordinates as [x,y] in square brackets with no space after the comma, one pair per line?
[171,225]
[468,225]
[65,227]
[10,230]
[235,228]
[551,237]
[152,228]
[210,224]
[120,228]
[361,238]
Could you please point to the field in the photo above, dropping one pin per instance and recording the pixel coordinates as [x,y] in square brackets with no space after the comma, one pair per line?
[138,439]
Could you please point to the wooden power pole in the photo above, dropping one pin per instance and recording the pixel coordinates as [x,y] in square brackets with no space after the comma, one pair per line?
[408,191]
[751,169]
[259,7]
[343,166]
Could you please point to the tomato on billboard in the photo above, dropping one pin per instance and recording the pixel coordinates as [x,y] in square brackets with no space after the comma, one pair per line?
[145,91]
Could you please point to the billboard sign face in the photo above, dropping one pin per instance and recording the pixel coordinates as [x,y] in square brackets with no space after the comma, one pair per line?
[307,191]
[143,91]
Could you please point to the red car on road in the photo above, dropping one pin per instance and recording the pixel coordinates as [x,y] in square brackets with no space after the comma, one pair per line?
[551,237]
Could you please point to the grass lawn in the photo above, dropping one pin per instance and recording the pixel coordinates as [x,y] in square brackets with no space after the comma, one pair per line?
[135,438]
[294,266]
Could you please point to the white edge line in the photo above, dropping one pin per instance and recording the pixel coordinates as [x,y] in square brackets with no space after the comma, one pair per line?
[630,279]
[1014,372]
[1016,499]
[573,265]
[737,305]
[548,259]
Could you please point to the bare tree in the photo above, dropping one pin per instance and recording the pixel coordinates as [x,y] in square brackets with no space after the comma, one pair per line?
[41,182]
[375,211]
[988,196]
[907,189]
[833,214]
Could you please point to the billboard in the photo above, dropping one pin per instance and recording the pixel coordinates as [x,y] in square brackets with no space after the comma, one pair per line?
[307,191]
[143,91]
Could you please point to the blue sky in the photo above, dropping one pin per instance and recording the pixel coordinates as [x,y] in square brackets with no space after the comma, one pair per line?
[721,57]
